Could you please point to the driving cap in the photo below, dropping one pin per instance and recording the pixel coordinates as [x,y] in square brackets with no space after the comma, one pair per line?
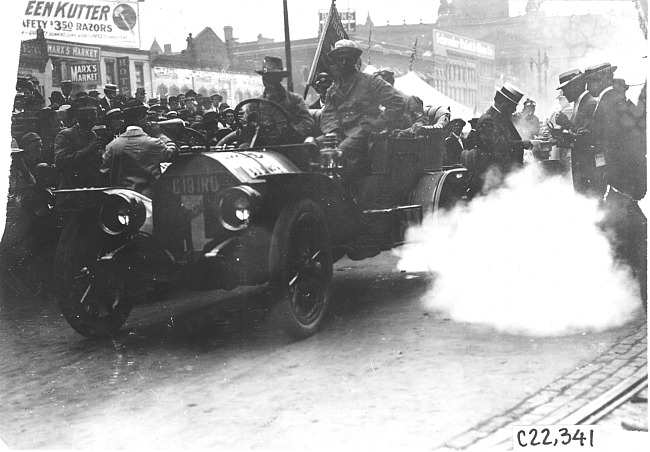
[457,121]
[345,48]
[569,76]
[272,65]
[511,93]
[598,70]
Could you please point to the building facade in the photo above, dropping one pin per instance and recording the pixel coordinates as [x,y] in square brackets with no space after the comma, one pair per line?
[89,67]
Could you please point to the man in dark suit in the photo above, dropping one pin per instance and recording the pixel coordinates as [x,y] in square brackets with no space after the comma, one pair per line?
[578,130]
[625,173]
[108,102]
[454,143]
[500,147]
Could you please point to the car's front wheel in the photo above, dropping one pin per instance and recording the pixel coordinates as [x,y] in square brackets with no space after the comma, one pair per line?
[300,268]
[95,304]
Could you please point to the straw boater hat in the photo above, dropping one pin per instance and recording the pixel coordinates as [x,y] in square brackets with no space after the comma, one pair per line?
[511,93]
[272,65]
[110,87]
[345,48]
[599,70]
[570,76]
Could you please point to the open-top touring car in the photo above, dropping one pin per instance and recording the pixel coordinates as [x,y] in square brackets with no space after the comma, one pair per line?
[221,218]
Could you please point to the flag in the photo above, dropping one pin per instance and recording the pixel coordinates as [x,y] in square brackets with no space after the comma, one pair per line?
[413,53]
[332,31]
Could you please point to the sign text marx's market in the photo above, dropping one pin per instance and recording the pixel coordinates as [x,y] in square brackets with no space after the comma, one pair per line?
[86,21]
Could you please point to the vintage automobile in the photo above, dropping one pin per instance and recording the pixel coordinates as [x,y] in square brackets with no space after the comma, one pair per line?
[225,217]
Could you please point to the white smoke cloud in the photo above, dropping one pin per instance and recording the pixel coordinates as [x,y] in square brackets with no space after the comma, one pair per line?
[527,259]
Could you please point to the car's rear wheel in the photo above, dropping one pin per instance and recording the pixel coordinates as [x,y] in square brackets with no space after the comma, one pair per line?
[95,305]
[300,268]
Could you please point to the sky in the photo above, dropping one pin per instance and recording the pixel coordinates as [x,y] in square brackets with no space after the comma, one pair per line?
[170,21]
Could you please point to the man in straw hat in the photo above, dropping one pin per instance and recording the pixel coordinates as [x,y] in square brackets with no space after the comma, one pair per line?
[133,159]
[352,104]
[500,147]
[578,130]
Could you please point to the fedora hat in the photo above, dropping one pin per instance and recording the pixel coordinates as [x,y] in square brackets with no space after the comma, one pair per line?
[345,48]
[598,70]
[134,108]
[572,75]
[511,93]
[272,65]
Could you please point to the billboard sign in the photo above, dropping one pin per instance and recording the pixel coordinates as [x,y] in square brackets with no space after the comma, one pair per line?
[452,41]
[111,23]
[348,20]
[84,72]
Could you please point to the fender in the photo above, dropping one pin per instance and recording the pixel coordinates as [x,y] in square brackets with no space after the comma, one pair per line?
[141,257]
[437,190]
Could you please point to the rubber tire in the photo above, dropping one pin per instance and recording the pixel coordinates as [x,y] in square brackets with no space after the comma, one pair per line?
[80,242]
[300,214]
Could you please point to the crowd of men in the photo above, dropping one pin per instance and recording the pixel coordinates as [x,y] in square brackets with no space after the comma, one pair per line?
[90,140]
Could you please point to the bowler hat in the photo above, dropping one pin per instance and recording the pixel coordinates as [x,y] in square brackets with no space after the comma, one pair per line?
[323,78]
[190,94]
[570,76]
[530,103]
[598,70]
[272,65]
[456,121]
[511,93]
[345,48]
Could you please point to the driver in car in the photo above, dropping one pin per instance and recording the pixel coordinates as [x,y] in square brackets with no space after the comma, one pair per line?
[301,125]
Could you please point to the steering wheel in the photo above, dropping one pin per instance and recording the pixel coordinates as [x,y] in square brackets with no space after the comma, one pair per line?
[262,121]
[192,137]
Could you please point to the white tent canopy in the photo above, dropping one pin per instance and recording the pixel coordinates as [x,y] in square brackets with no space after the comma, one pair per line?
[413,85]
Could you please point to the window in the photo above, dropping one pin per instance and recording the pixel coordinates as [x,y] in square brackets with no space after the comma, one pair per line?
[139,75]
[110,71]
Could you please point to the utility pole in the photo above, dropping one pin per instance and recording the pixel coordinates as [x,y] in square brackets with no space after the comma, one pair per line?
[287,46]
[540,63]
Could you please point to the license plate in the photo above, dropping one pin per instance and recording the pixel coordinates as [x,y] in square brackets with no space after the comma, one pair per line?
[195,185]
[600,159]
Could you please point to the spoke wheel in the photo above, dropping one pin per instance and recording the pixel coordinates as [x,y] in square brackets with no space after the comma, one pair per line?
[300,268]
[262,122]
[95,305]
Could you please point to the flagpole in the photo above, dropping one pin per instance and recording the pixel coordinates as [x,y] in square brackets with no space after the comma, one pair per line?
[319,48]
[287,46]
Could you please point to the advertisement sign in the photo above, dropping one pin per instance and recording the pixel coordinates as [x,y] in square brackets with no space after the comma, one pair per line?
[462,44]
[348,19]
[111,23]
[84,72]
[73,51]
[123,76]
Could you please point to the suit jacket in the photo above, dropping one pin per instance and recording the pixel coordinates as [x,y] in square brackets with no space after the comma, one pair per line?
[453,149]
[297,109]
[352,106]
[133,159]
[498,139]
[623,158]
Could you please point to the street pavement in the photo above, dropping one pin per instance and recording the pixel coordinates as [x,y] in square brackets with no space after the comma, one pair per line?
[210,370]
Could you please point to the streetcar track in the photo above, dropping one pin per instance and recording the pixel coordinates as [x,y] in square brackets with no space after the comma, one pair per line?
[588,414]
